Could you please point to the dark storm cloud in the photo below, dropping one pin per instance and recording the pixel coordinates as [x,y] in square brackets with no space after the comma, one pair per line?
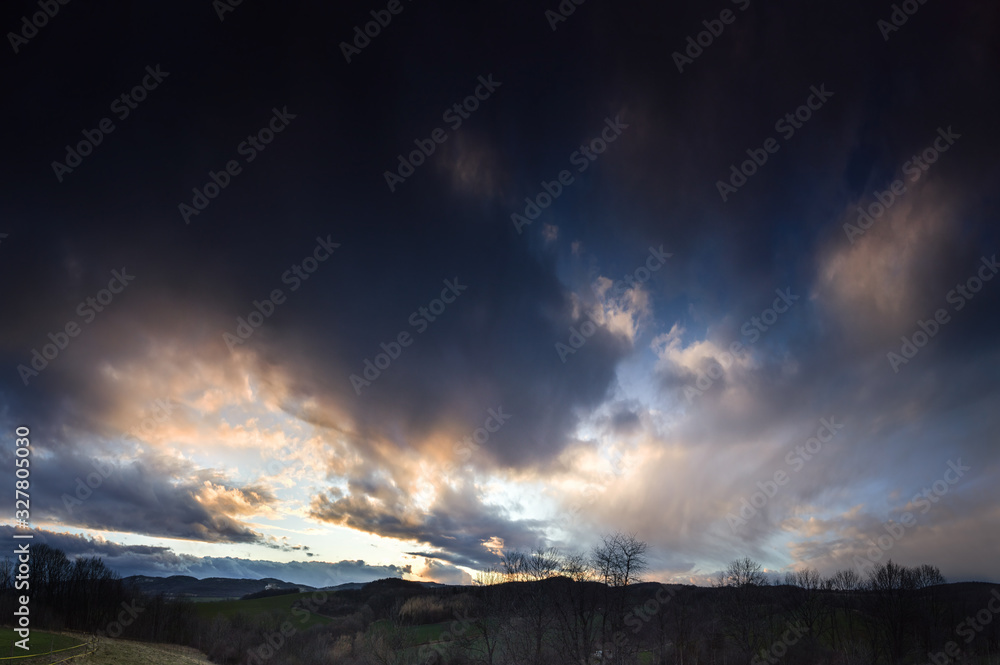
[155,496]
[459,522]
[323,177]
[500,333]
[497,339]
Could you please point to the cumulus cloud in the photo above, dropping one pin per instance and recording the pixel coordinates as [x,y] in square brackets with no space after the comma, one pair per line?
[157,496]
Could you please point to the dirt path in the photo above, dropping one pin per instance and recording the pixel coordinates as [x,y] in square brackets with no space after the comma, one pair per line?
[127,652]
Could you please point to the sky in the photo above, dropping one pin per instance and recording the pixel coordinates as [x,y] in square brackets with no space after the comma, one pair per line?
[334,293]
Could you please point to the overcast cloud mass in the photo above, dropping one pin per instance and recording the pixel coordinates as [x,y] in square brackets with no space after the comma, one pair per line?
[735,294]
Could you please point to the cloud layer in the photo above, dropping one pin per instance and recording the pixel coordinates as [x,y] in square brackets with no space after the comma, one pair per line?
[652,401]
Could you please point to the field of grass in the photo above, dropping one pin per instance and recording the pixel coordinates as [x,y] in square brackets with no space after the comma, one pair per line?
[279,604]
[40,642]
[428,632]
[110,652]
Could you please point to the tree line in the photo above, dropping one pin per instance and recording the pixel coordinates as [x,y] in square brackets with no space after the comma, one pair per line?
[547,607]
[85,595]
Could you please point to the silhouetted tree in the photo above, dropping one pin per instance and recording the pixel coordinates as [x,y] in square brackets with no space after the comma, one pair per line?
[741,587]
[619,561]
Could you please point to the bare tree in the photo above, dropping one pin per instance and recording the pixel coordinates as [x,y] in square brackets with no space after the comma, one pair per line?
[927,605]
[846,584]
[888,585]
[926,576]
[576,604]
[619,561]
[513,566]
[542,563]
[384,640]
[743,612]
[806,601]
[492,615]
[534,615]
[681,613]
[742,573]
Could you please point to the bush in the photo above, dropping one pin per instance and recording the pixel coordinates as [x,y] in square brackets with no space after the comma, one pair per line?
[423,609]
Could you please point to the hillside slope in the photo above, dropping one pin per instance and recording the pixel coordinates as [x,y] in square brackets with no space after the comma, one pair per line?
[127,652]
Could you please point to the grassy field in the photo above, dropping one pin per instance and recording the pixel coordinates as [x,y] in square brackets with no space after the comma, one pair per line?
[40,642]
[280,604]
[429,632]
[110,652]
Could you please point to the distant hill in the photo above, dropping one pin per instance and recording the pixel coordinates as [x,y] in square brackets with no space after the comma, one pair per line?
[184,586]
[347,585]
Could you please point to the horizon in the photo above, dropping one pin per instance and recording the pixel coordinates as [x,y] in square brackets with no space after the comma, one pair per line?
[303,298]
[774,581]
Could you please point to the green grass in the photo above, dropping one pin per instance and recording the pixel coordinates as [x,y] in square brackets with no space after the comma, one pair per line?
[428,632]
[39,641]
[276,604]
